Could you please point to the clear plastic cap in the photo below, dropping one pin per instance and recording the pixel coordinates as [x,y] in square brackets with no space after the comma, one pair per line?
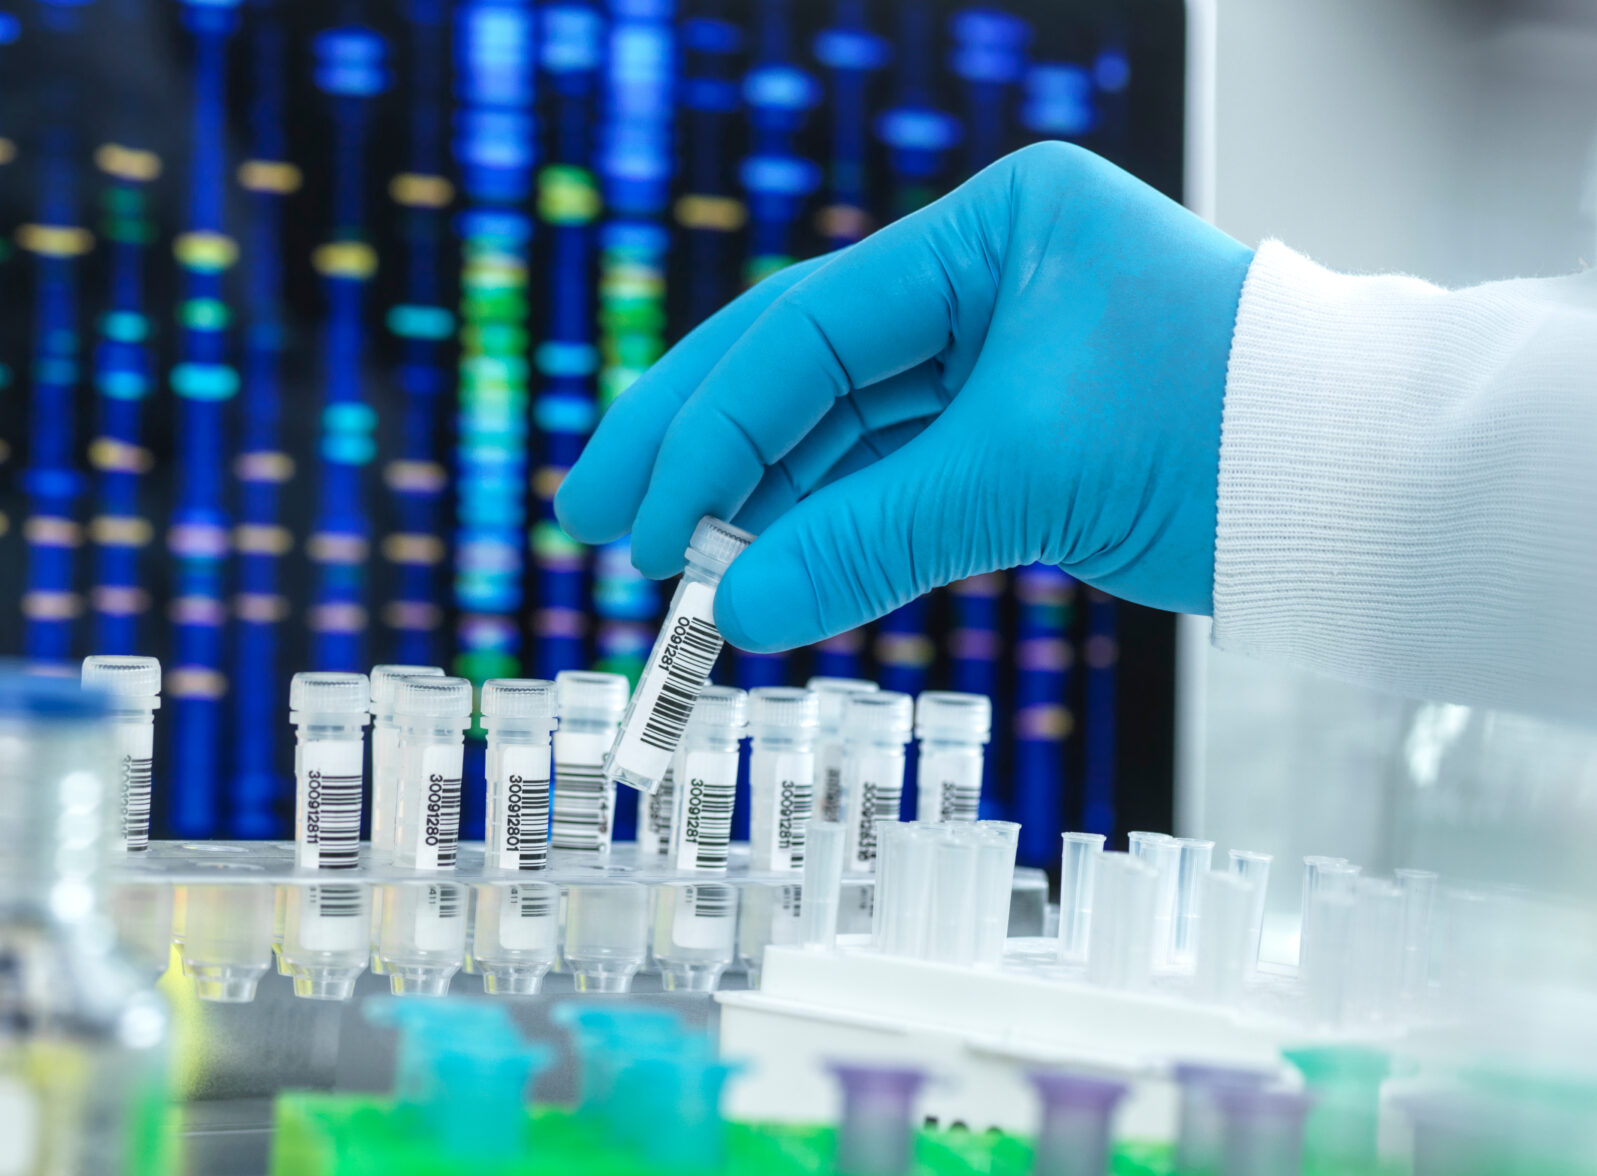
[384,678]
[720,706]
[433,698]
[329,693]
[945,714]
[124,677]
[787,707]
[591,694]
[716,544]
[830,693]
[885,713]
[518,698]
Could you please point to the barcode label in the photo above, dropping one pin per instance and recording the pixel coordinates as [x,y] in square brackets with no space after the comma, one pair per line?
[654,839]
[705,916]
[336,902]
[873,786]
[135,743]
[326,918]
[950,786]
[829,771]
[583,800]
[677,669]
[702,824]
[327,813]
[782,794]
[429,805]
[518,806]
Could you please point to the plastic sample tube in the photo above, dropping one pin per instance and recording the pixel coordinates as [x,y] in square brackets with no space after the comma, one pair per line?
[680,663]
[767,914]
[1324,968]
[695,926]
[1120,951]
[875,728]
[133,689]
[830,694]
[1262,1132]
[385,751]
[1255,868]
[1078,875]
[956,896]
[952,729]
[432,715]
[515,935]
[996,844]
[1375,951]
[142,914]
[329,713]
[1224,950]
[1193,856]
[1336,871]
[518,715]
[782,726]
[606,934]
[1341,1134]
[901,912]
[825,843]
[1200,1122]
[1161,854]
[701,827]
[1074,1130]
[326,938]
[1419,904]
[591,706]
[423,938]
[227,940]
[876,1131]
[655,811]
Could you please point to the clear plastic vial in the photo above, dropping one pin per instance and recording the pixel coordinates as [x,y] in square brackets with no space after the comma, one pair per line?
[952,729]
[701,827]
[829,695]
[875,728]
[519,715]
[385,747]
[782,725]
[329,713]
[326,938]
[432,715]
[132,686]
[591,705]
[679,664]
[655,810]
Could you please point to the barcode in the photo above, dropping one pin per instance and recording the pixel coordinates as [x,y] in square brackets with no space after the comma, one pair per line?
[877,803]
[659,808]
[136,802]
[797,800]
[582,807]
[527,816]
[335,902]
[832,795]
[960,802]
[713,902]
[693,648]
[443,901]
[332,818]
[531,902]
[707,824]
[792,899]
[441,829]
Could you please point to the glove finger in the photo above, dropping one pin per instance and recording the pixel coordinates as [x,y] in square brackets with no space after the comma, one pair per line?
[780,489]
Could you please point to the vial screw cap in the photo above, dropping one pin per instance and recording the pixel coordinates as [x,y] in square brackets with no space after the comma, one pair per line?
[329,693]
[786,707]
[885,713]
[386,677]
[716,544]
[518,698]
[590,694]
[720,706]
[946,714]
[123,677]
[433,698]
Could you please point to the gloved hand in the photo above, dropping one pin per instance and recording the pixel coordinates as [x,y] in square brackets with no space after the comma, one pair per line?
[1031,368]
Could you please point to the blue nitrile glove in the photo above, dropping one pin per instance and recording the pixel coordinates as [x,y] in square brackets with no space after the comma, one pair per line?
[1030,369]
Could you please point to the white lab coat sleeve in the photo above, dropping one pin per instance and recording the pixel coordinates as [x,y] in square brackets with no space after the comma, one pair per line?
[1408,484]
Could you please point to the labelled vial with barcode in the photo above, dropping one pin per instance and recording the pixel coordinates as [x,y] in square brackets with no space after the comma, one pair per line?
[830,694]
[432,715]
[655,811]
[132,686]
[329,713]
[782,725]
[695,926]
[701,826]
[518,715]
[326,937]
[679,664]
[875,728]
[385,751]
[590,706]
[515,935]
[423,937]
[952,728]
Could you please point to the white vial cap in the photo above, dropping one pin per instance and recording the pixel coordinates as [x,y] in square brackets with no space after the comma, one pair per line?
[123,677]
[329,693]
[384,678]
[787,707]
[886,712]
[432,698]
[830,693]
[590,694]
[716,544]
[720,706]
[946,714]
[518,698]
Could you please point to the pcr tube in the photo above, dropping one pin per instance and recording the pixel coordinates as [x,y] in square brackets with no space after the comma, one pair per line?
[385,748]
[1120,948]
[1224,949]
[133,688]
[1419,900]
[329,713]
[1193,856]
[952,729]
[876,1133]
[606,934]
[695,927]
[591,705]
[518,714]
[782,723]
[1340,874]
[955,899]
[1078,875]
[995,879]
[1375,950]
[655,811]
[515,935]
[432,715]
[701,827]
[830,694]
[1161,854]
[875,728]
[824,844]
[901,910]
[1254,867]
[679,664]
[1074,1132]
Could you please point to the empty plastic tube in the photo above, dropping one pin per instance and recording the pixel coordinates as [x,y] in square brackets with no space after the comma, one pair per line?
[876,1130]
[655,811]
[824,846]
[1200,1124]
[782,724]
[956,914]
[701,827]
[329,713]
[1255,868]
[518,714]
[679,664]
[326,938]
[901,910]
[1078,875]
[1335,872]
[1375,951]
[1324,967]
[694,932]
[1419,903]
[1074,1131]
[829,696]
[607,926]
[1160,853]
[591,706]
[515,935]
[227,940]
[953,729]
[133,688]
[1120,952]
[1224,954]
[385,751]
[767,914]
[996,843]
[1262,1133]
[875,728]
[1193,856]
[432,715]
[422,936]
